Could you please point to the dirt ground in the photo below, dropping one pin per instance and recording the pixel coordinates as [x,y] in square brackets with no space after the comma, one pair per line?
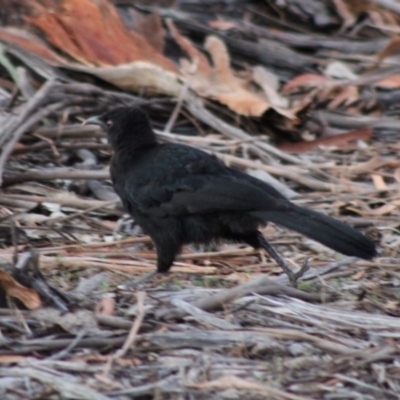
[301,94]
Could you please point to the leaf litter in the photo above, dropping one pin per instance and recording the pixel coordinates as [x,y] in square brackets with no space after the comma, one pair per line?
[301,94]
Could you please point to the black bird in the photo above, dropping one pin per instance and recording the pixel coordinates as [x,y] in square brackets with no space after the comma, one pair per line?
[179,194]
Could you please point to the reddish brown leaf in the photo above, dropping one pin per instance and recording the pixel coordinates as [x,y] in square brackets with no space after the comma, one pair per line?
[337,140]
[391,82]
[379,182]
[149,26]
[222,25]
[100,37]
[393,47]
[11,359]
[29,297]
[202,64]
[304,80]
[31,43]
[396,175]
[346,95]
[106,306]
[218,81]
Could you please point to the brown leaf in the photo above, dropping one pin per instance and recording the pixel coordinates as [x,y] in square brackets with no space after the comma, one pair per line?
[396,175]
[218,81]
[31,43]
[149,26]
[305,80]
[393,47]
[71,322]
[359,275]
[11,359]
[28,297]
[100,37]
[379,182]
[337,140]
[391,306]
[202,64]
[346,96]
[135,76]
[344,11]
[391,82]
[106,306]
[222,25]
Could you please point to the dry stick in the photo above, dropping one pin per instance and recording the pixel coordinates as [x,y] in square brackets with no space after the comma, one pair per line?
[261,285]
[132,240]
[64,352]
[29,108]
[65,385]
[284,172]
[196,107]
[55,173]
[379,391]
[299,335]
[69,201]
[132,333]
[31,121]
[178,107]
[239,384]
[204,317]
[80,213]
[162,385]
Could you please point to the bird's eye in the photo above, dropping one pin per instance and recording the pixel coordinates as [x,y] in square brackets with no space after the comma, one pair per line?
[109,123]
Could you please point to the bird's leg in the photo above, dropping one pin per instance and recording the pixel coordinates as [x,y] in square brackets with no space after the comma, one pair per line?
[165,257]
[293,276]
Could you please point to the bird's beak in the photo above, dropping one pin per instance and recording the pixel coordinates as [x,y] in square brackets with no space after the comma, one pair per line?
[94,121]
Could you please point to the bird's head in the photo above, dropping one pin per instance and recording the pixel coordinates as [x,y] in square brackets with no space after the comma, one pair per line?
[126,127]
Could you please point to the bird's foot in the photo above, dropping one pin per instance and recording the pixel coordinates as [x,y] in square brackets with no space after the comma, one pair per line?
[143,279]
[295,276]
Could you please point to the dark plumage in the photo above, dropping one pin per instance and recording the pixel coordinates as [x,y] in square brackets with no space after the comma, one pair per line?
[179,194]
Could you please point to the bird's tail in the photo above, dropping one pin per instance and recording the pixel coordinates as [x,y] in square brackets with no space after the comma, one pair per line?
[323,229]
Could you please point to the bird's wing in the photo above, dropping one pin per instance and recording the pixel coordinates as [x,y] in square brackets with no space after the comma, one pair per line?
[204,193]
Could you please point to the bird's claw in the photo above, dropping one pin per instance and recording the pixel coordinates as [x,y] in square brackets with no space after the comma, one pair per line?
[140,281]
[295,276]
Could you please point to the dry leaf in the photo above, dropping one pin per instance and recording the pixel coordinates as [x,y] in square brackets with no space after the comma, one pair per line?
[270,85]
[149,26]
[391,306]
[305,81]
[396,175]
[391,82]
[346,96]
[102,43]
[136,76]
[28,297]
[100,37]
[222,25]
[218,81]
[359,275]
[339,141]
[71,322]
[393,47]
[387,209]
[339,70]
[29,42]
[11,359]
[345,12]
[379,182]
[106,306]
